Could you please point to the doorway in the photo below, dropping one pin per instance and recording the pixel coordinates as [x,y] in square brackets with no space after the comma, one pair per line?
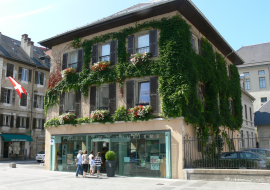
[102,146]
[6,146]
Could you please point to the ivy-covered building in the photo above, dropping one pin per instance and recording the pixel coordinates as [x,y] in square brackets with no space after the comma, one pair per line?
[161,62]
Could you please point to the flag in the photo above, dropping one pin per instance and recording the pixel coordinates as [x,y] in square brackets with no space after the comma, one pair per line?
[17,86]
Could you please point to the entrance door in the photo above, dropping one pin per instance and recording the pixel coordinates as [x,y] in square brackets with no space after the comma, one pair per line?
[6,145]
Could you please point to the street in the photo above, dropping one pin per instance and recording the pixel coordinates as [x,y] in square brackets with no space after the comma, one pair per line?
[31,175]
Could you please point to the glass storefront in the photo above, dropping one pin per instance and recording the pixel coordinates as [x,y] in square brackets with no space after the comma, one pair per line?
[144,154]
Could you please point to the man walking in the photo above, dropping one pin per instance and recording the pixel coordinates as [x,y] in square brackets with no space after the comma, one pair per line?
[79,163]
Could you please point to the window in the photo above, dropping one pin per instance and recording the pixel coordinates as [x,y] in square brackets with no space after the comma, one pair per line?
[246,111]
[242,138]
[143,93]
[194,42]
[250,113]
[24,74]
[143,44]
[103,97]
[39,78]
[38,123]
[69,101]
[247,84]
[262,82]
[23,122]
[105,53]
[232,155]
[6,121]
[39,100]
[7,98]
[73,60]
[261,72]
[246,74]
[263,100]
[201,93]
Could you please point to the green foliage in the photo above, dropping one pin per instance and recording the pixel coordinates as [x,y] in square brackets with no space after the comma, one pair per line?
[110,155]
[120,114]
[83,120]
[179,69]
[52,122]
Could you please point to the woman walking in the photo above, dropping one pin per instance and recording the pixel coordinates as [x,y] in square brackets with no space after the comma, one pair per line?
[85,163]
[90,162]
[98,163]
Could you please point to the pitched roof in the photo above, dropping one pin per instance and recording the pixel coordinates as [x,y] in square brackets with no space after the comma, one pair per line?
[147,10]
[11,48]
[255,53]
[262,115]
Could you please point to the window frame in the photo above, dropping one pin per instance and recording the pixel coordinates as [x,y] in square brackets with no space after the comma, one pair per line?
[10,96]
[137,43]
[138,93]
[39,98]
[247,82]
[66,101]
[136,90]
[38,123]
[23,122]
[246,73]
[98,97]
[261,86]
[26,75]
[265,100]
[69,64]
[195,45]
[261,71]
[4,120]
[100,55]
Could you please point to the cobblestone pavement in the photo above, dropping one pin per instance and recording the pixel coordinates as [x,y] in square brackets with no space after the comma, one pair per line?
[31,175]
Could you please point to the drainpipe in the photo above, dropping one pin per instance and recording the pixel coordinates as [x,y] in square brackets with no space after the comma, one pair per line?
[31,120]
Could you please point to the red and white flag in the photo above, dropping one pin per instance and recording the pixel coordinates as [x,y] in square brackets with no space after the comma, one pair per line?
[17,86]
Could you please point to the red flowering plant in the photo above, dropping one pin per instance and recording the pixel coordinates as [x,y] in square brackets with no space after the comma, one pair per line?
[68,72]
[100,66]
[140,113]
[101,116]
[139,57]
[67,118]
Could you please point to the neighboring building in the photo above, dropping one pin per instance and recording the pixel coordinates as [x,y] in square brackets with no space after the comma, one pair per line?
[151,148]
[256,71]
[30,66]
[247,132]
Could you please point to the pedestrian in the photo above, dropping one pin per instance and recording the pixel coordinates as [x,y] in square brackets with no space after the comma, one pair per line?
[92,167]
[85,163]
[79,163]
[98,163]
[90,159]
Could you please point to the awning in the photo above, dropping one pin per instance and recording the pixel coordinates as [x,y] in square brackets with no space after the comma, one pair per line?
[9,137]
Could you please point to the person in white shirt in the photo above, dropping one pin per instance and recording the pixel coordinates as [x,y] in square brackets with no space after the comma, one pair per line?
[79,163]
[90,159]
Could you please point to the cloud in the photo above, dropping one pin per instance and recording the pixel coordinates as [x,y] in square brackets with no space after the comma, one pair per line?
[25,14]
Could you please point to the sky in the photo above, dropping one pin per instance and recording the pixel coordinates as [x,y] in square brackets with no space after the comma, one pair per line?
[240,22]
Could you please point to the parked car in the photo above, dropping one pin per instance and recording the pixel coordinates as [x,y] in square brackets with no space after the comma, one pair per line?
[242,157]
[265,153]
[40,156]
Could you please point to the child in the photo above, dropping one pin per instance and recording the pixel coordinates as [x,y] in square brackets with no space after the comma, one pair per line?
[92,165]
[98,163]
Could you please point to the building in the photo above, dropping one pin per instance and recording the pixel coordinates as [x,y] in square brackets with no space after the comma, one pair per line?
[30,66]
[152,148]
[256,71]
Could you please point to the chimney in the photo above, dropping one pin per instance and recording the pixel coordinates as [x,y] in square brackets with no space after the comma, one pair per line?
[27,45]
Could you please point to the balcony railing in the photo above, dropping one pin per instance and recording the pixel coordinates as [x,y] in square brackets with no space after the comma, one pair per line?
[142,49]
[104,58]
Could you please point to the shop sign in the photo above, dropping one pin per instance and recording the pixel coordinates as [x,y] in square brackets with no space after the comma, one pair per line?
[18,140]
[52,141]
[154,166]
[154,159]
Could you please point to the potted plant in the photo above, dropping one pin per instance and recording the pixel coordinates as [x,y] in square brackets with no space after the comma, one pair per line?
[110,163]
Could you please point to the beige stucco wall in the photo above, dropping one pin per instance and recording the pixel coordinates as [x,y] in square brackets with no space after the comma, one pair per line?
[176,126]
[255,89]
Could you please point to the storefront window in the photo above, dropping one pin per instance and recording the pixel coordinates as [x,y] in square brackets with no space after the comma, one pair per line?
[145,154]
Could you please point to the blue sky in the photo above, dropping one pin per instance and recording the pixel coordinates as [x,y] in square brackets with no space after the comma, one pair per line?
[240,22]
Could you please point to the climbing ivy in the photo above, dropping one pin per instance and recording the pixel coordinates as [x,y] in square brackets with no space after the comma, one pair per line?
[180,70]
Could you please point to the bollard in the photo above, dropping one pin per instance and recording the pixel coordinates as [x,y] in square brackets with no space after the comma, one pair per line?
[12,165]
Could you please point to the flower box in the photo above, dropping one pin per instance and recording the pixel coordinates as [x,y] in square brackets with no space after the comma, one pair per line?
[140,113]
[101,66]
[139,58]
[101,116]
[68,72]
[67,118]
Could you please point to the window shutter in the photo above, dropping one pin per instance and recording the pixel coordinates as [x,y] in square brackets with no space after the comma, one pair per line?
[200,46]
[36,77]
[112,98]
[130,46]
[78,104]
[23,99]
[34,123]
[61,105]
[2,95]
[29,75]
[154,93]
[12,121]
[13,96]
[130,94]
[1,119]
[27,123]
[42,79]
[35,100]
[42,102]
[10,68]
[95,54]
[93,98]
[153,42]
[17,122]
[8,72]
[64,63]
[20,73]
[80,60]
[43,122]
[113,52]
